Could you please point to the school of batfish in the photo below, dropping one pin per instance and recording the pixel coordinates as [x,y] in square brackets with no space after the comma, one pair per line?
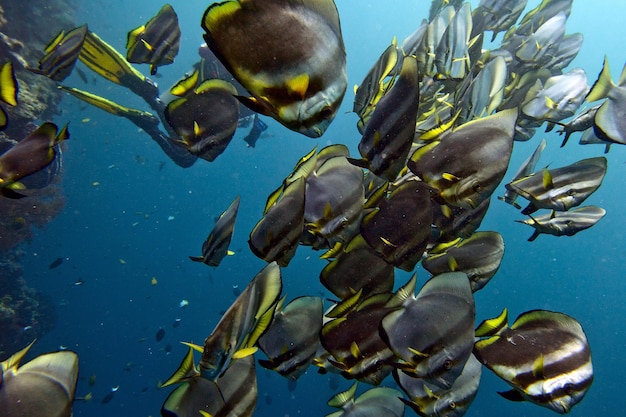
[438,118]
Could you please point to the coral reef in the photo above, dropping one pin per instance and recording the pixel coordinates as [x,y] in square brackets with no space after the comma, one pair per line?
[25,29]
[24,313]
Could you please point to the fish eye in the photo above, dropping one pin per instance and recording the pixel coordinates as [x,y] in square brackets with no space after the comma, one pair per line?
[326,112]
[568,388]
[451,405]
[447,364]
[476,187]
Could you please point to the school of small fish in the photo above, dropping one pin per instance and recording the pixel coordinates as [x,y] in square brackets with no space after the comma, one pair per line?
[438,118]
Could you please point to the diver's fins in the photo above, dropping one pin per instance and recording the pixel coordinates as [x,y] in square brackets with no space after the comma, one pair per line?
[142,119]
[103,59]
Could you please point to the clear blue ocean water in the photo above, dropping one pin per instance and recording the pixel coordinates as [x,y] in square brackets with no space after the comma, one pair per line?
[142,222]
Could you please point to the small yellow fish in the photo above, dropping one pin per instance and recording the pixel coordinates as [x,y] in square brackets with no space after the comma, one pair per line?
[154,281]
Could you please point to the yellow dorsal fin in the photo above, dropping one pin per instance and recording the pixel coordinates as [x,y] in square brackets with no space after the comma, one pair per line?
[193,346]
[54,42]
[131,38]
[204,413]
[261,326]
[603,84]
[547,180]
[14,361]
[242,353]
[355,351]
[551,104]
[436,131]
[340,400]
[346,305]
[299,84]
[186,369]
[403,293]
[328,211]
[8,84]
[450,177]
[332,252]
[430,393]
[186,84]
[376,138]
[494,326]
[196,129]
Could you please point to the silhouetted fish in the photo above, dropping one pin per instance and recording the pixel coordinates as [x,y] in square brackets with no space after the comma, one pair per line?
[56,263]
[160,334]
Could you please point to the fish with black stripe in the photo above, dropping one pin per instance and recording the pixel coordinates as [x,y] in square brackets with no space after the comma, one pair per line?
[157,42]
[289,54]
[544,356]
[61,54]
[215,247]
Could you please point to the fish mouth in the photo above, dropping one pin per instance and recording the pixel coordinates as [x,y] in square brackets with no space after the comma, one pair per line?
[560,407]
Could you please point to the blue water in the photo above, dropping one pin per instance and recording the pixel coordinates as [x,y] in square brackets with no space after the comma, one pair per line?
[141,222]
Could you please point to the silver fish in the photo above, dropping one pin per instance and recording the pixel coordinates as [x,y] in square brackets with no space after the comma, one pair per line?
[242,324]
[387,138]
[45,386]
[433,332]
[581,122]
[333,202]
[561,188]
[478,256]
[566,223]
[234,393]
[468,162]
[400,246]
[543,42]
[429,400]
[376,402]
[275,237]
[559,98]
[357,267]
[215,247]
[292,340]
[610,119]
[498,15]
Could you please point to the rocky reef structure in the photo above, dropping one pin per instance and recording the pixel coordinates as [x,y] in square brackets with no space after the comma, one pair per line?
[25,29]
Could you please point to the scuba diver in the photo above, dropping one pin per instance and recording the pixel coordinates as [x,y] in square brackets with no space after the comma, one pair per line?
[107,62]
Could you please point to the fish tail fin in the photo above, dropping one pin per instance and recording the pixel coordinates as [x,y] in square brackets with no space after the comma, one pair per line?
[343,398]
[603,84]
[186,370]
[534,236]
